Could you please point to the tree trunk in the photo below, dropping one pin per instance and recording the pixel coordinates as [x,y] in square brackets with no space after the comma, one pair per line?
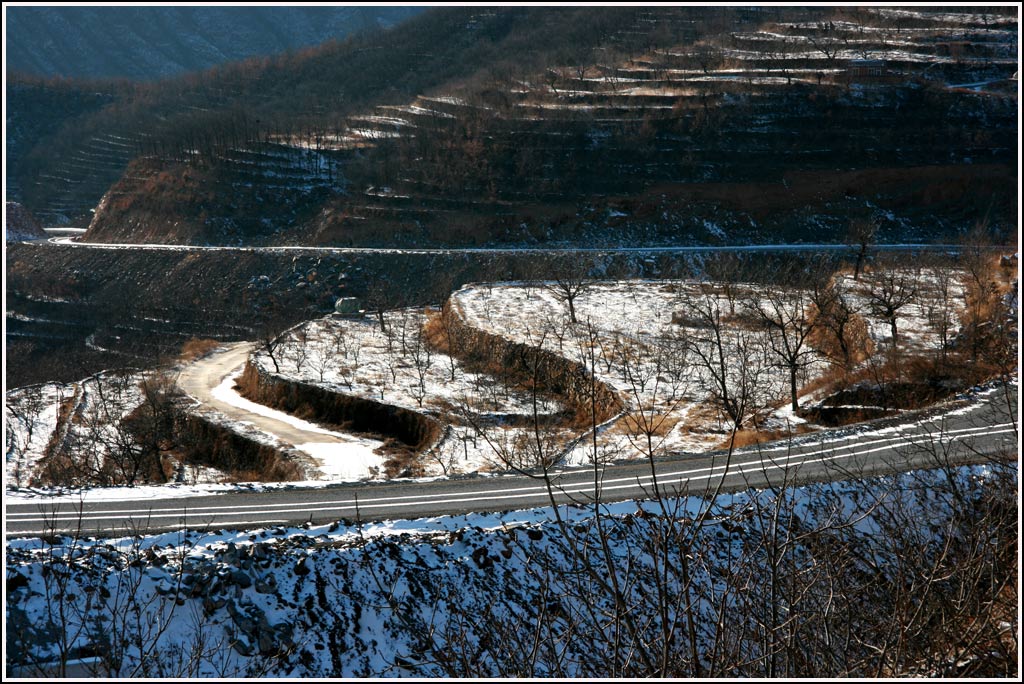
[792,389]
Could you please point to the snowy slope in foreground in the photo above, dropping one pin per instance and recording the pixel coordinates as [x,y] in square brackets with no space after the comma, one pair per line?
[392,598]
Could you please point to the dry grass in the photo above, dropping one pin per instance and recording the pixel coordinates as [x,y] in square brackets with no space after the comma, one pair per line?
[744,438]
[660,424]
[435,333]
[401,460]
[703,415]
[197,348]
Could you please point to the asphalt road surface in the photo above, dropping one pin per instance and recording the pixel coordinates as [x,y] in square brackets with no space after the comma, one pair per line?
[974,436]
[990,429]
[73,240]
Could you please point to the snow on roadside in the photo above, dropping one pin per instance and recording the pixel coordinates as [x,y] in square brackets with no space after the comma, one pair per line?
[310,586]
[355,459]
[30,419]
[344,458]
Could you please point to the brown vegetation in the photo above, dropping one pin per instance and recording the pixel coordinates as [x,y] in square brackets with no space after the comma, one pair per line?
[531,367]
[197,348]
[409,431]
[750,437]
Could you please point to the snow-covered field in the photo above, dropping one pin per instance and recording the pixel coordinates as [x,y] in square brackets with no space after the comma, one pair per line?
[935,302]
[639,350]
[643,336]
[30,419]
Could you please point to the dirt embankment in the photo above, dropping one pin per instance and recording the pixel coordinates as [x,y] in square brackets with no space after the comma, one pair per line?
[589,399]
[218,446]
[413,430]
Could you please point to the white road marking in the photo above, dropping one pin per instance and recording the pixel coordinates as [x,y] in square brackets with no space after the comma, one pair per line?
[503,494]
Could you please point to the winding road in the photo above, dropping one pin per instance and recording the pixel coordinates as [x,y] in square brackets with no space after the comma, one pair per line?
[201,379]
[971,434]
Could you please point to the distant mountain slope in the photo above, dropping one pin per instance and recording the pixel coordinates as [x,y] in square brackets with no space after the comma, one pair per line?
[145,43]
[527,125]
[770,128]
[20,224]
[63,173]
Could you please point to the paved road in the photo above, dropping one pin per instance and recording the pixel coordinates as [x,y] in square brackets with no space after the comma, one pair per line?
[974,436]
[73,241]
[965,438]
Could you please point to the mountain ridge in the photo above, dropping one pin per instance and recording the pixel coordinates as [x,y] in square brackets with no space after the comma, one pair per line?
[157,42]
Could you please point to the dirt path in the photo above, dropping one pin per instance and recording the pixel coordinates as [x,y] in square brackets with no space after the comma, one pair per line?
[201,379]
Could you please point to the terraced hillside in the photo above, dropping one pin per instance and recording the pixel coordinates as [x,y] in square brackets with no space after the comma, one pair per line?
[307,93]
[36,110]
[750,135]
[777,132]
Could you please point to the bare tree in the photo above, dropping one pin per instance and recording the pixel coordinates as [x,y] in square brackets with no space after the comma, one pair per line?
[572,279]
[861,236]
[298,345]
[733,359]
[707,55]
[270,341]
[891,286]
[320,358]
[784,312]
[723,269]
[982,294]
[381,297]
[826,41]
[941,307]
[345,350]
[419,350]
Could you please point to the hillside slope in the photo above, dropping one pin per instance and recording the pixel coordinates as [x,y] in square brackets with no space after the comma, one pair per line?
[144,43]
[20,224]
[771,127]
[609,126]
[301,92]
